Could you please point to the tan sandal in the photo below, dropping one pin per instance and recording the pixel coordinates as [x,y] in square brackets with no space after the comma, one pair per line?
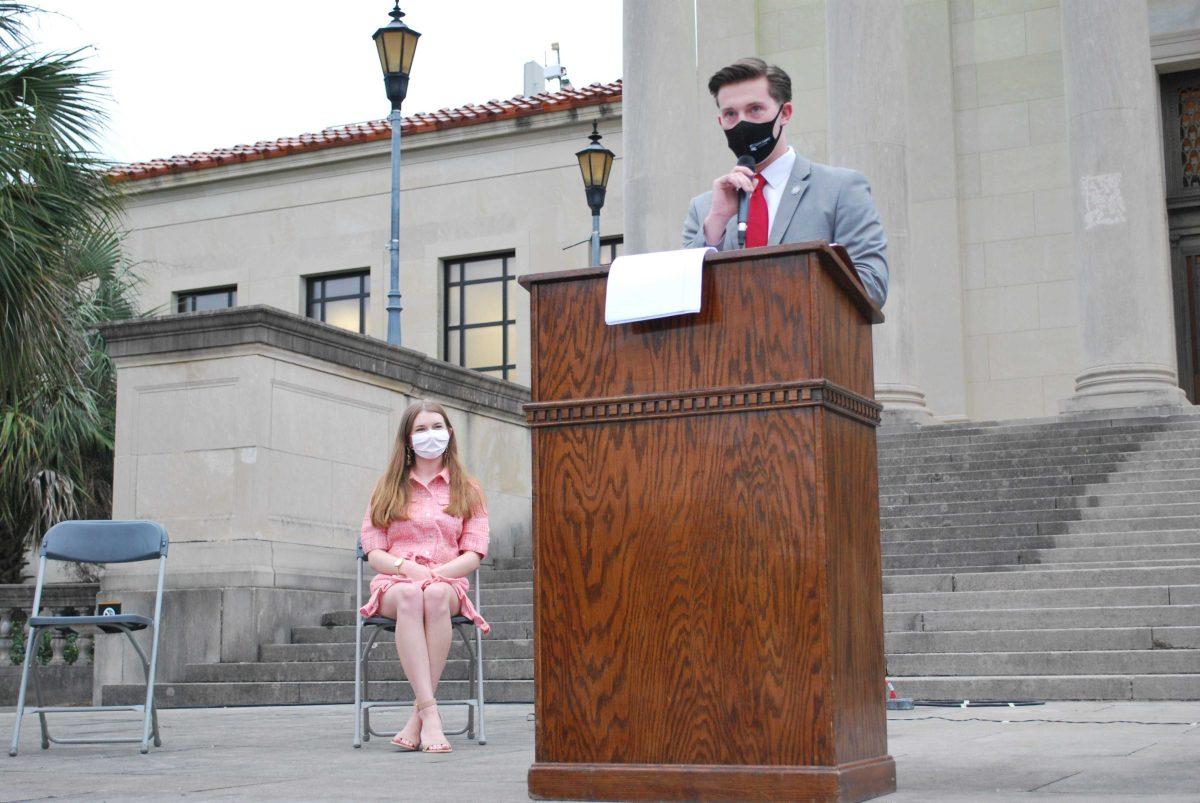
[437,747]
[405,745]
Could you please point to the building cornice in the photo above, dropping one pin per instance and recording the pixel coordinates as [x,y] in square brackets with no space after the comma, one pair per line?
[421,130]
[414,149]
[274,328]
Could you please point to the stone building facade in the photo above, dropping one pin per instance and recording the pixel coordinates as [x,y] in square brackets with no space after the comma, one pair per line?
[1016,149]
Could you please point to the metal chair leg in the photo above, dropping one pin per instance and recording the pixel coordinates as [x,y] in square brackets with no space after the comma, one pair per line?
[37,693]
[479,682]
[462,634]
[16,737]
[358,710]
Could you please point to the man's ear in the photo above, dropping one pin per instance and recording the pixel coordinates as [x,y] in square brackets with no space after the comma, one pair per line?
[785,113]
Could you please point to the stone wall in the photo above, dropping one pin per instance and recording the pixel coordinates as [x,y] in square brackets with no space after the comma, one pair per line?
[264,226]
[255,436]
[1020,287]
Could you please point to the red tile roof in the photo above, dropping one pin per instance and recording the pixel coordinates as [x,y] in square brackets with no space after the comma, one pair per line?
[355,133]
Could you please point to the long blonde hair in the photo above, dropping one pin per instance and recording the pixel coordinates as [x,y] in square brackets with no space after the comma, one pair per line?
[389,500]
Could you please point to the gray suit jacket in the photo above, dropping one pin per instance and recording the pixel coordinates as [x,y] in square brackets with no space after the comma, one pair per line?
[819,203]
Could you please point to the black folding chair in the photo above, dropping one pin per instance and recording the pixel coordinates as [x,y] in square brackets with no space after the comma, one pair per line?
[362,656]
[95,542]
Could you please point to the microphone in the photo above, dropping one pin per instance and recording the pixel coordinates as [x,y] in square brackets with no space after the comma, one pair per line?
[743,201]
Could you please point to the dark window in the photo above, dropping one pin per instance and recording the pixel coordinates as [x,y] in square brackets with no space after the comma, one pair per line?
[200,300]
[480,330]
[340,299]
[610,248]
[1181,133]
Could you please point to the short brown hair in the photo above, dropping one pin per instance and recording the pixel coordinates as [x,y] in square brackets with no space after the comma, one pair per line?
[779,85]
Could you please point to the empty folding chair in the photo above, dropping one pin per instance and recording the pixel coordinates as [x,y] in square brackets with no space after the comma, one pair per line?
[362,656]
[96,542]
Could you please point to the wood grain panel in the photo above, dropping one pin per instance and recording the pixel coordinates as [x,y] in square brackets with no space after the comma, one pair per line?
[858,781]
[850,517]
[747,332]
[677,608]
[708,401]
[708,606]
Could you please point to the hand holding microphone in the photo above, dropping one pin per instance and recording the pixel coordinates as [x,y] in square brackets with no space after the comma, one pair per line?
[746,161]
[730,196]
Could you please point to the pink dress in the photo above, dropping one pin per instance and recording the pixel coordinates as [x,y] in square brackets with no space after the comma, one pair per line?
[431,537]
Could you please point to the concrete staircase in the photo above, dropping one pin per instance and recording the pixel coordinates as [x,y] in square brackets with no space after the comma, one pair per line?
[1047,560]
[1052,560]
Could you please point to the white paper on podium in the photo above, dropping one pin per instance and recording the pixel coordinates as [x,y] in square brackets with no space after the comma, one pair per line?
[643,287]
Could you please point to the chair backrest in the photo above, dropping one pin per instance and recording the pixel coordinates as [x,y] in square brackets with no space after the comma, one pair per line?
[105,541]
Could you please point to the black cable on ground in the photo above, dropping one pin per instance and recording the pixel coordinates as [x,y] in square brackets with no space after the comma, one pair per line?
[1048,721]
[977,703]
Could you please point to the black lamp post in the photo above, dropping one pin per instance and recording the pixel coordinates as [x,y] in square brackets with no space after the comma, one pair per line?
[595,163]
[396,43]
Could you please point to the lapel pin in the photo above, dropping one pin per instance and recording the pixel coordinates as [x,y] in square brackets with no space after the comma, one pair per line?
[795,190]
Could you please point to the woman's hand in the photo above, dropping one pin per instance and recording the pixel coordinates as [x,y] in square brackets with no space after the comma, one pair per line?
[415,571]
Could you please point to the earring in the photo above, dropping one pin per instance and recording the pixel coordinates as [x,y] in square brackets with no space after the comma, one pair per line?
[408,456]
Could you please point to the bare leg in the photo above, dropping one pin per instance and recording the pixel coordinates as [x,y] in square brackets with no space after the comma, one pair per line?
[404,603]
[440,603]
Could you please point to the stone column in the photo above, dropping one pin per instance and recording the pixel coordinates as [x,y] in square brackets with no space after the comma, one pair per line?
[658,99]
[867,122]
[673,146]
[1120,210]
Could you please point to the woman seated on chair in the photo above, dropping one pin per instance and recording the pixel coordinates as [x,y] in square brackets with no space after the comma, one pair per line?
[425,530]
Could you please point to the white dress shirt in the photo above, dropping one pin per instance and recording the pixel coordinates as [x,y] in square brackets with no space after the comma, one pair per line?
[776,175]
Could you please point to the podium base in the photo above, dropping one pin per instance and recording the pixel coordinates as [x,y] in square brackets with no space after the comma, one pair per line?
[860,780]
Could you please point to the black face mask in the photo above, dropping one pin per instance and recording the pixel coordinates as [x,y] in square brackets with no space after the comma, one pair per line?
[753,139]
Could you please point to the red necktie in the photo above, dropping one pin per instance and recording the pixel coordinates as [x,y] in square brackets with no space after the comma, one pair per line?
[756,225]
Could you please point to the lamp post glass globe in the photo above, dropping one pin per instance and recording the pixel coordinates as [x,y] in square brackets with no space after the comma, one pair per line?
[595,164]
[396,44]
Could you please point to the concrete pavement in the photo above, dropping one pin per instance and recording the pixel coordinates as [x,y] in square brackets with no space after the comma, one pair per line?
[1087,751]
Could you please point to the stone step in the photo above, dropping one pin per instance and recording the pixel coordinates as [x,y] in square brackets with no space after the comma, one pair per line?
[1072,501]
[1070,578]
[1040,486]
[381,669]
[1046,566]
[1004,528]
[906,519]
[1045,618]
[990,543]
[976,431]
[1144,438]
[492,577]
[1045,454]
[989,493]
[513,562]
[1040,557]
[1050,687]
[1089,473]
[386,650]
[1034,598]
[1106,468]
[1116,638]
[1078,662]
[219,695]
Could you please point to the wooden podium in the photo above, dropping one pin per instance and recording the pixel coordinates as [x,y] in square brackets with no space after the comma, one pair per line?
[708,607]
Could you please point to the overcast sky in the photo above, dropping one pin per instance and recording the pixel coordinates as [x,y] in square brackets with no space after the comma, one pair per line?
[201,74]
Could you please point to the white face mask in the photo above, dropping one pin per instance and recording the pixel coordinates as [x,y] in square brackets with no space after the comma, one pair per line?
[431,443]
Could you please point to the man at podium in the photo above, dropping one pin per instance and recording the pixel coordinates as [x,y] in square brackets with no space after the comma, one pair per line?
[791,200]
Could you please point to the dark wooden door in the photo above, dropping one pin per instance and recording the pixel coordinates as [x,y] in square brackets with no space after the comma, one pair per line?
[1181,157]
